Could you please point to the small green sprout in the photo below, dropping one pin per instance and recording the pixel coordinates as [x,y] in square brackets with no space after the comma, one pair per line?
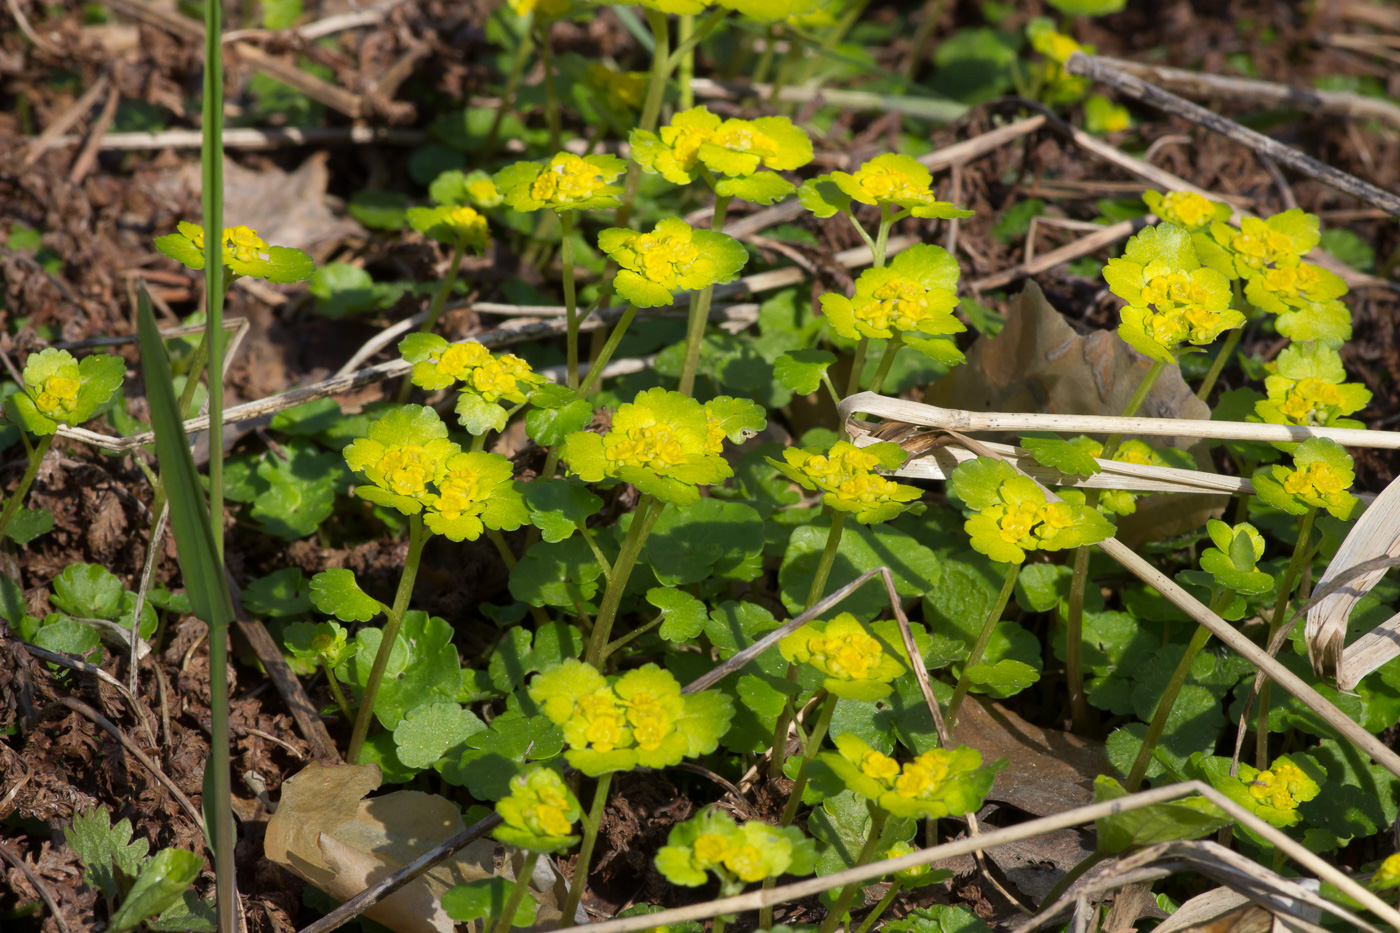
[857,666]
[1172,300]
[245,253]
[940,782]
[318,642]
[565,183]
[845,476]
[539,813]
[673,257]
[1233,563]
[456,225]
[1013,515]
[664,443]
[914,297]
[641,718]
[58,389]
[1187,209]
[1319,479]
[737,853]
[1307,386]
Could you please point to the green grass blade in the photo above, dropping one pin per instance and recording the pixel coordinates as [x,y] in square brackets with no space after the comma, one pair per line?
[203,573]
[211,155]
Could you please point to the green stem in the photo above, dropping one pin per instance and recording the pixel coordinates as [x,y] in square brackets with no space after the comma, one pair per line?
[765,59]
[858,364]
[517,71]
[595,368]
[435,307]
[848,893]
[780,730]
[833,544]
[1168,700]
[809,751]
[1074,622]
[700,312]
[1285,590]
[686,72]
[551,93]
[585,852]
[517,893]
[933,12]
[882,238]
[717,925]
[648,511]
[336,692]
[566,258]
[36,457]
[1074,643]
[886,361]
[974,657]
[881,907]
[1232,340]
[651,108]
[598,554]
[1071,876]
[416,539]
[501,548]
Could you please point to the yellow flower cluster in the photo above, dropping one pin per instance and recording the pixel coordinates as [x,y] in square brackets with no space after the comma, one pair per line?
[911,781]
[568,178]
[900,304]
[459,359]
[851,654]
[846,474]
[664,256]
[244,242]
[1317,480]
[656,446]
[57,395]
[549,817]
[408,468]
[1307,401]
[1182,312]
[1026,518]
[1260,245]
[744,859]
[1280,786]
[1187,209]
[499,377]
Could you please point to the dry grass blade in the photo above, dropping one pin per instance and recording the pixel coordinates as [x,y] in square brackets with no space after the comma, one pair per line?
[1280,895]
[756,900]
[1374,537]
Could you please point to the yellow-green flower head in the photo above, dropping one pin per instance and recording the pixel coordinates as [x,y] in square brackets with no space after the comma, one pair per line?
[895,181]
[487,381]
[437,363]
[664,443]
[1260,244]
[915,875]
[858,665]
[60,390]
[846,477]
[1120,501]
[673,257]
[940,782]
[1387,876]
[1187,209]
[475,490]
[1171,299]
[402,457]
[621,90]
[914,295]
[1307,386]
[697,137]
[1049,42]
[1283,288]
[737,854]
[1320,478]
[641,718]
[1013,516]
[539,813]
[455,225]
[245,253]
[768,11]
[1274,794]
[565,183]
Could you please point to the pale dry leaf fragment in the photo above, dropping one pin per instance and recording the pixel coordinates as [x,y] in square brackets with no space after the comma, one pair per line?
[326,832]
[1376,534]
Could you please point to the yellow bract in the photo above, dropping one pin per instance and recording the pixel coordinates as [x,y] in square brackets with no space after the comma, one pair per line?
[881,767]
[884,182]
[407,469]
[901,304]
[1277,786]
[602,720]
[1186,208]
[652,446]
[852,655]
[458,491]
[664,257]
[548,818]
[459,359]
[1261,245]
[498,377]
[567,178]
[914,779]
[1020,520]
[58,396]
[649,718]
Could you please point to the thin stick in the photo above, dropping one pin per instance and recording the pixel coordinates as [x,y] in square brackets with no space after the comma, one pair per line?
[78,706]
[1100,70]
[88,156]
[38,885]
[36,146]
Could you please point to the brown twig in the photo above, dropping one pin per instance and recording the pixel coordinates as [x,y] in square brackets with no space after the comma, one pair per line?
[78,706]
[88,156]
[38,883]
[71,115]
[1098,69]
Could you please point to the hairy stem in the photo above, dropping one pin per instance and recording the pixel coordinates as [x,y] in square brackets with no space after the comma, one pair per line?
[828,558]
[974,657]
[810,748]
[566,258]
[595,368]
[1227,349]
[643,519]
[585,852]
[886,361]
[700,312]
[417,536]
[336,692]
